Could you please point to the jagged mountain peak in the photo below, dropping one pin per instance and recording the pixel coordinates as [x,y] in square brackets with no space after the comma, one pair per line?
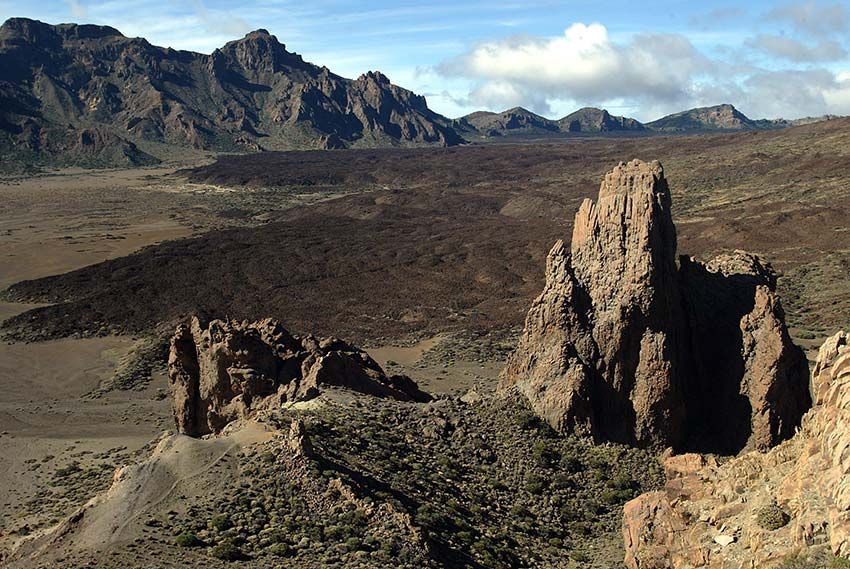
[250,94]
[36,31]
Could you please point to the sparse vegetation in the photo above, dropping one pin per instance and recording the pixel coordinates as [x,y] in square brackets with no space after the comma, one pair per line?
[772,517]
[188,540]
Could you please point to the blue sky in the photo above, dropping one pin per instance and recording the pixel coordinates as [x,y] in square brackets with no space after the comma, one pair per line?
[640,59]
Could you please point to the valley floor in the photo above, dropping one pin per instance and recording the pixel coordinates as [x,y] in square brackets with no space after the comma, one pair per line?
[428,259]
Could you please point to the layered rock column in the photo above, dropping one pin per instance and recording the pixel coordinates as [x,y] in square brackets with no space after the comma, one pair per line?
[600,350]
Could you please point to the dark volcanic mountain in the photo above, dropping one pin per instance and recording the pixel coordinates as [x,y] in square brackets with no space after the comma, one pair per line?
[591,119]
[718,117]
[88,94]
[513,121]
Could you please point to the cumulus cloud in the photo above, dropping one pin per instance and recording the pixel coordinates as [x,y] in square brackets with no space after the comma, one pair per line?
[653,74]
[582,64]
[797,51]
[813,17]
[790,93]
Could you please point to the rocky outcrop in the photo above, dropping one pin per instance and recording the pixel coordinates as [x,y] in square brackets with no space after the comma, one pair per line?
[225,370]
[747,384]
[627,346]
[757,508]
[89,84]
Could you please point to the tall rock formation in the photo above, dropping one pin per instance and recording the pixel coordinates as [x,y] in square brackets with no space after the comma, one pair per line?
[609,315]
[225,370]
[759,507]
[747,384]
[625,345]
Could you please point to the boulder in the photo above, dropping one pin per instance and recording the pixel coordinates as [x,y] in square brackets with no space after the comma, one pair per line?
[225,370]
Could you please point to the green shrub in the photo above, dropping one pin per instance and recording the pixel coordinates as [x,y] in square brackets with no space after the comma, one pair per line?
[571,464]
[188,540]
[535,483]
[227,551]
[280,550]
[528,421]
[221,522]
[543,456]
[772,517]
[353,544]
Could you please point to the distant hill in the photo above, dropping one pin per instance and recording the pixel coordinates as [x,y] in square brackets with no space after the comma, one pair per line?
[724,118]
[518,121]
[512,121]
[87,94]
[591,119]
[719,117]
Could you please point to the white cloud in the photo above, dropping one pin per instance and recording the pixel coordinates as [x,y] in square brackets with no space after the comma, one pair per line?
[653,74]
[813,17]
[583,64]
[794,93]
[796,51]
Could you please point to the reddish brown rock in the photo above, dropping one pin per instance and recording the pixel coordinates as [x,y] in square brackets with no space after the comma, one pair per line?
[226,370]
[748,383]
[599,352]
[709,514]
[626,346]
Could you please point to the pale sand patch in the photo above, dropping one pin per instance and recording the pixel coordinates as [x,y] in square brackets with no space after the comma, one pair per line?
[58,369]
[56,223]
[405,356]
[455,377]
[46,423]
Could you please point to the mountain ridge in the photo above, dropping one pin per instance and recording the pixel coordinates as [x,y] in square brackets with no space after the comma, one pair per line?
[249,95]
[86,95]
[716,118]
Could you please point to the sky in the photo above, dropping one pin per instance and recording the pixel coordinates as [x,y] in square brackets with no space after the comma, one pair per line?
[641,59]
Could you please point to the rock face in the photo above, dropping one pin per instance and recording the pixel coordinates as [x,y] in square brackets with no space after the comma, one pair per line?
[742,360]
[627,346]
[755,509]
[225,370]
[252,94]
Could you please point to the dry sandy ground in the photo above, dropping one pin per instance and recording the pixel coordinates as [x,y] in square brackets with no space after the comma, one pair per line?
[58,222]
[437,375]
[59,444]
[52,224]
